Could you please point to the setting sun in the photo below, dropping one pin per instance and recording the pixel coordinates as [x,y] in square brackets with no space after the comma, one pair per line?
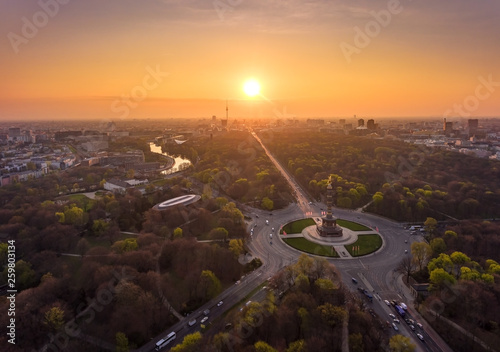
[251,87]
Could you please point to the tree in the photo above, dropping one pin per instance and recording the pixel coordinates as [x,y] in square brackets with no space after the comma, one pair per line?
[218,233]
[400,343]
[261,346]
[439,278]
[407,267]
[82,246]
[209,284]
[430,225]
[236,247]
[3,253]
[54,318]
[100,227]
[191,343]
[73,215]
[332,315]
[356,343]
[438,245]
[177,233]
[297,346]
[267,203]
[121,342]
[421,253]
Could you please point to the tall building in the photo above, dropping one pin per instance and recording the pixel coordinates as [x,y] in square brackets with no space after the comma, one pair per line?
[370,124]
[361,123]
[472,126]
[447,127]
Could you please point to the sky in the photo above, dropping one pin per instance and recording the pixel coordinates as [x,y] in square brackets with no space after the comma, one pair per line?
[127,59]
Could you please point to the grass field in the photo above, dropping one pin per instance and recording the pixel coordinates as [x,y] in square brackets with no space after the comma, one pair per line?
[304,245]
[354,226]
[367,244]
[298,226]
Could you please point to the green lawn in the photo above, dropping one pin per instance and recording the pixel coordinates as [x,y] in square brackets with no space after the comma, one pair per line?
[353,226]
[367,244]
[297,226]
[304,245]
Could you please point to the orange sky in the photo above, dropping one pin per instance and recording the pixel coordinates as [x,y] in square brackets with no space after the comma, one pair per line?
[128,59]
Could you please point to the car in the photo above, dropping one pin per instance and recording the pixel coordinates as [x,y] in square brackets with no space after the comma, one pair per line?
[206,312]
[407,321]
[412,322]
[406,251]
[406,241]
[272,229]
[220,303]
[202,321]
[237,282]
[256,216]
[396,321]
[419,325]
[392,316]
[412,327]
[402,305]
[310,203]
[267,222]
[354,280]
[394,303]
[395,327]
[420,336]
[192,322]
[387,302]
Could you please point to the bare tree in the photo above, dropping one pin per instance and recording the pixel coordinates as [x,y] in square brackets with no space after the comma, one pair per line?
[407,266]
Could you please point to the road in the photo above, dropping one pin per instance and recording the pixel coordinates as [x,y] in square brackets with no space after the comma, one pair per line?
[374,272]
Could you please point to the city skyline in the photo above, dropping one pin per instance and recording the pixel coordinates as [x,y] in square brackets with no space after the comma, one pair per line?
[162,59]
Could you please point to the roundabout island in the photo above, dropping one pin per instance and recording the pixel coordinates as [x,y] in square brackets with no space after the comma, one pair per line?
[357,240]
[331,237]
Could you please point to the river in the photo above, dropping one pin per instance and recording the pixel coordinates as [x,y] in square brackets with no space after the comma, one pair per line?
[179,162]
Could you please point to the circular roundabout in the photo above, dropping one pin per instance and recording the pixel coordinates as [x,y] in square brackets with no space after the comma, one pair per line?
[357,240]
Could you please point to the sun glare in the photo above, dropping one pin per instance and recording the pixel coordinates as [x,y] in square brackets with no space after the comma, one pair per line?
[251,87]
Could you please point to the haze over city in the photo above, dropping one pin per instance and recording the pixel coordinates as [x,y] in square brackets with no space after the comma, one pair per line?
[162,59]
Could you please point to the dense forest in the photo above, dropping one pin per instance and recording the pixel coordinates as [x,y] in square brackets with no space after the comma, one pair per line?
[236,166]
[306,309]
[460,262]
[75,266]
[399,180]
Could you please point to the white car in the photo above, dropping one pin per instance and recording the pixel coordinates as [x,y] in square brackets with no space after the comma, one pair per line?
[192,322]
[396,321]
[395,327]
[392,316]
[402,305]
[203,320]
[220,303]
[420,336]
[387,302]
[419,325]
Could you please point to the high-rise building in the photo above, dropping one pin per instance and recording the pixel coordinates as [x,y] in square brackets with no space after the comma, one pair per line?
[361,123]
[472,126]
[370,124]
